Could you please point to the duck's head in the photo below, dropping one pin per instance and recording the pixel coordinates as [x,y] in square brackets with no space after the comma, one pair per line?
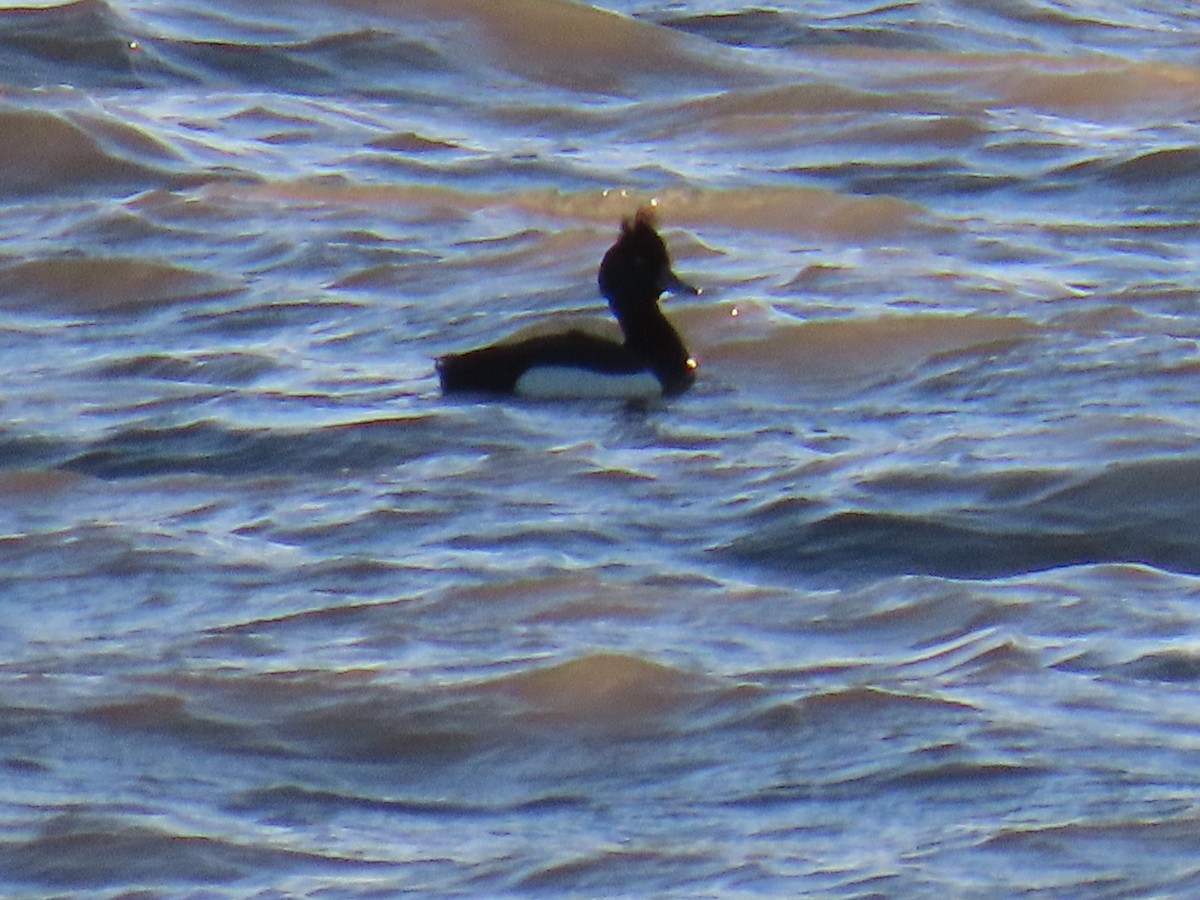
[637,268]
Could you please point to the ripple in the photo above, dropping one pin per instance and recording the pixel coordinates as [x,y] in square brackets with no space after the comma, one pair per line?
[94,851]
[112,286]
[209,447]
[47,152]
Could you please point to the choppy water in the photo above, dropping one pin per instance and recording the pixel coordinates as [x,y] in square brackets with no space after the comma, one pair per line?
[902,598]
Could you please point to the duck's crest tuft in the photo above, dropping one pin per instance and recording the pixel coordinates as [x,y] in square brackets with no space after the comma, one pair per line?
[644,218]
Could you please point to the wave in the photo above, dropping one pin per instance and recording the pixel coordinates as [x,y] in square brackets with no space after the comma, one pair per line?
[74,286]
[387,49]
[658,871]
[353,717]
[1173,841]
[1172,173]
[1166,666]
[369,62]
[290,800]
[225,369]
[43,151]
[373,46]
[1093,85]
[777,28]
[81,43]
[1035,24]
[869,544]
[97,851]
[90,44]
[603,688]
[1111,87]
[210,448]
[1146,511]
[25,453]
[567,44]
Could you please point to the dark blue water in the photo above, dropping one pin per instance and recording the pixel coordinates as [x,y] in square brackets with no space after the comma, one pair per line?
[900,599]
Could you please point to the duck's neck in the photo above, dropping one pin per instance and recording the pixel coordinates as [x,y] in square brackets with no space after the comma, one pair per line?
[649,334]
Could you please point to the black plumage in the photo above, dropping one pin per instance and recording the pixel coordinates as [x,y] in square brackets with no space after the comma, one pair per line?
[633,275]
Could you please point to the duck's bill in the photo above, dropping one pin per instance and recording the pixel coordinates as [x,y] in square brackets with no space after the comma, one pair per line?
[676,285]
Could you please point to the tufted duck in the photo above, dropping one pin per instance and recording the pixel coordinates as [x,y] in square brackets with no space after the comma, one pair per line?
[651,362]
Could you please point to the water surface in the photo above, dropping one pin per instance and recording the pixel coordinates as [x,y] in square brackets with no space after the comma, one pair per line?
[901,598]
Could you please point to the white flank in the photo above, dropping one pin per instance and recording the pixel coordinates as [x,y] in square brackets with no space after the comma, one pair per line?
[568,382]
